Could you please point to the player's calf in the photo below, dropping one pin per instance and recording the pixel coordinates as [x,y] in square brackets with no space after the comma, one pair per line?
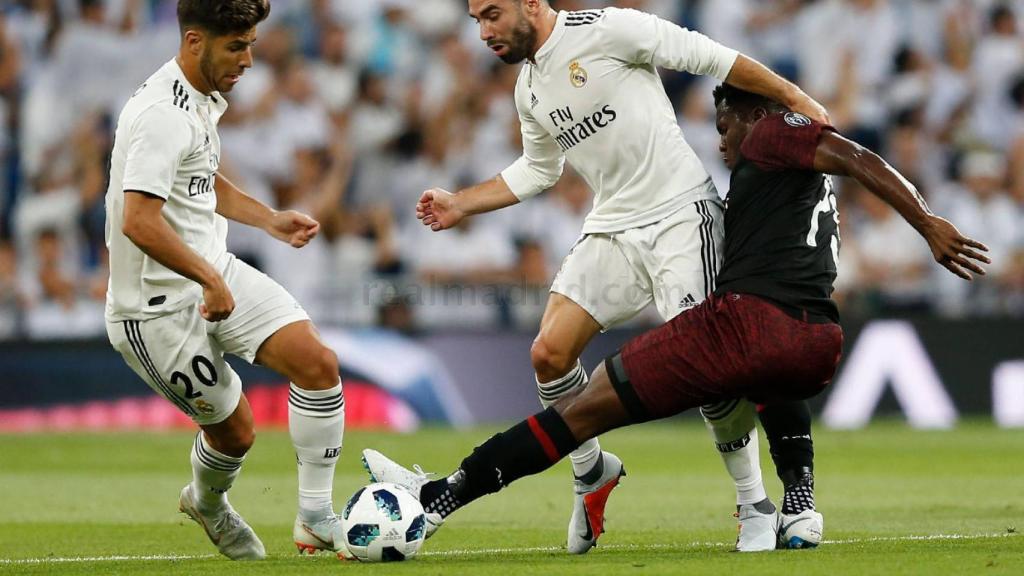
[316,424]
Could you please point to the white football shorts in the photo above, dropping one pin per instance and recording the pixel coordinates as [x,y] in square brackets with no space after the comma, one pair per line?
[672,262]
[181,355]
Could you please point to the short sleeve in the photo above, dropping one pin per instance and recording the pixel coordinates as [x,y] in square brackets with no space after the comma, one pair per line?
[157,141]
[784,141]
[642,38]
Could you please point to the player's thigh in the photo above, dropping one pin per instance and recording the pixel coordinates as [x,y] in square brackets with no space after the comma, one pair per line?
[697,358]
[602,279]
[682,255]
[178,359]
[262,308]
[296,351]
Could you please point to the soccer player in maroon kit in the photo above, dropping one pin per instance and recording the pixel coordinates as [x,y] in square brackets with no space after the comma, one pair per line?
[770,331]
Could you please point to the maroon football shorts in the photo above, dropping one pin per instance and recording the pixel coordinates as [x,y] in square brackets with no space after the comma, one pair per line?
[731,346]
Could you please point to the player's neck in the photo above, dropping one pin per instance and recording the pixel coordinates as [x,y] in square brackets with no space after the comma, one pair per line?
[544,30]
[190,69]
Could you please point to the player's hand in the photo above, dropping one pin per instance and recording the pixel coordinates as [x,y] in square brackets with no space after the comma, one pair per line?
[218,303]
[437,209]
[294,228]
[811,108]
[954,251]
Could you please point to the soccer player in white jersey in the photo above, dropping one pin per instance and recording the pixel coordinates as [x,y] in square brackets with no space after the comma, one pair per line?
[590,93]
[178,301]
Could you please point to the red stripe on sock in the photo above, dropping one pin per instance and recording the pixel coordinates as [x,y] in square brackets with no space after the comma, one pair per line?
[544,439]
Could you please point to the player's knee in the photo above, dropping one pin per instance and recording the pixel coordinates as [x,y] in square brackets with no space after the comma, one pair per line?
[320,372]
[729,420]
[323,371]
[550,362]
[235,442]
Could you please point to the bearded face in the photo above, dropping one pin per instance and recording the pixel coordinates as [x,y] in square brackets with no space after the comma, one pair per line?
[520,40]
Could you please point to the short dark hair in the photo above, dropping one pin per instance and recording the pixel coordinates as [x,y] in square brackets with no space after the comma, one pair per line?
[221,17]
[742,100]
[998,13]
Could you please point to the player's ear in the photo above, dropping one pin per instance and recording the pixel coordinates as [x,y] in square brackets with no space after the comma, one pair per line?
[194,41]
[758,112]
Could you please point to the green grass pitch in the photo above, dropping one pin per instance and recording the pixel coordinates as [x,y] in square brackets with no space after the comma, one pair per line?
[896,501]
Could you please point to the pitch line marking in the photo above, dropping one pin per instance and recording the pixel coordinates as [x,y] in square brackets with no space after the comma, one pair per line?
[492,551]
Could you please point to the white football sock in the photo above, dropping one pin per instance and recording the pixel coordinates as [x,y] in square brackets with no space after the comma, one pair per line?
[213,474]
[316,422]
[586,456]
[732,426]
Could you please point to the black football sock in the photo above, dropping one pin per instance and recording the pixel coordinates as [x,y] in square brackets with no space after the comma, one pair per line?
[527,448]
[787,426]
[799,493]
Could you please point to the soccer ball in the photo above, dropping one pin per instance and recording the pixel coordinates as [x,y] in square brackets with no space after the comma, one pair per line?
[383,522]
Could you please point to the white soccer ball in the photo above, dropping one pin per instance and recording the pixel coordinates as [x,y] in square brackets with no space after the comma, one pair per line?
[383,522]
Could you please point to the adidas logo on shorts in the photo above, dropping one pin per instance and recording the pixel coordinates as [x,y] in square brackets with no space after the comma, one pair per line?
[688,302]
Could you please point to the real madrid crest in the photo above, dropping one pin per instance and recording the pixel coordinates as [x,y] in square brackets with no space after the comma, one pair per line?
[577,75]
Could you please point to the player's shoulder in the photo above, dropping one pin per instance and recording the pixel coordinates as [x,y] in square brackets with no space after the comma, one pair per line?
[164,91]
[605,19]
[579,19]
[782,123]
[783,140]
[606,30]
[160,101]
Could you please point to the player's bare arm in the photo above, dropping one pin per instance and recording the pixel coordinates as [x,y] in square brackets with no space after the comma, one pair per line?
[441,209]
[288,226]
[954,251]
[145,226]
[752,76]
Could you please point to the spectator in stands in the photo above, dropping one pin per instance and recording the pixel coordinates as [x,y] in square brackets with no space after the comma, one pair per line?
[60,303]
[998,59]
[334,74]
[979,202]
[11,303]
[415,97]
[895,280]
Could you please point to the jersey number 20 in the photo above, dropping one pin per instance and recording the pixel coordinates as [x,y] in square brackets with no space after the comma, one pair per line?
[204,372]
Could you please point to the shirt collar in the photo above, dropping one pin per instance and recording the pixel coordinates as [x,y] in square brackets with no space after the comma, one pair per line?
[556,35]
[179,74]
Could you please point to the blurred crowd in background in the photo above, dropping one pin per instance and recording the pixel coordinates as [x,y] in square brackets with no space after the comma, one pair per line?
[355,107]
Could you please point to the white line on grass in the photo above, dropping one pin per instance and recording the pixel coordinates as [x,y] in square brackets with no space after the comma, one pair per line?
[494,551]
[60,560]
[643,547]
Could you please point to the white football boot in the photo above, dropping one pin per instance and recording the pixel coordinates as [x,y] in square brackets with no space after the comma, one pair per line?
[757,531]
[801,530]
[587,522]
[383,469]
[225,528]
[326,534]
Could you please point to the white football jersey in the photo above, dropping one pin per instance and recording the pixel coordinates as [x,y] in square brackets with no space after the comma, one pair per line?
[166,144]
[593,96]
